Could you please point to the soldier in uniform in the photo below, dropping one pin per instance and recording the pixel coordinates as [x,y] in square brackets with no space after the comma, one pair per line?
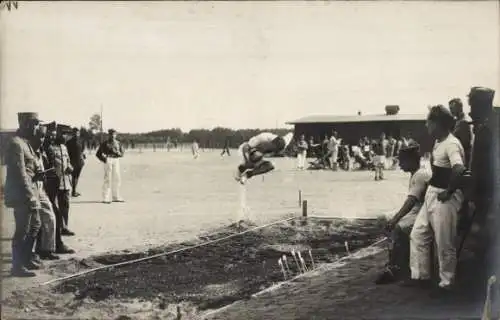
[59,159]
[45,244]
[22,193]
[109,153]
[482,162]
[76,150]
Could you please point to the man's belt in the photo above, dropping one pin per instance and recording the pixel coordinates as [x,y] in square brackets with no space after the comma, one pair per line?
[440,177]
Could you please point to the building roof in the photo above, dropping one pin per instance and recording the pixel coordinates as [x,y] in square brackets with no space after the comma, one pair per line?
[362,118]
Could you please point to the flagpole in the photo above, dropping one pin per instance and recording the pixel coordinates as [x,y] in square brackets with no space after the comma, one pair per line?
[102,130]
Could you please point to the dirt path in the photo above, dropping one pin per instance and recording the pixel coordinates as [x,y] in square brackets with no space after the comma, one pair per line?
[348,292]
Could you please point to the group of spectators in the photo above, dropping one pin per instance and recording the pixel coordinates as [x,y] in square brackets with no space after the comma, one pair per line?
[368,154]
[43,166]
[443,203]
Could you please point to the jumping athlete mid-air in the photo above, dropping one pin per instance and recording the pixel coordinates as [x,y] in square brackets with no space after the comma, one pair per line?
[253,152]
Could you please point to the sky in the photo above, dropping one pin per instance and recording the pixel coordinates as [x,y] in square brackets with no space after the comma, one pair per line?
[156,65]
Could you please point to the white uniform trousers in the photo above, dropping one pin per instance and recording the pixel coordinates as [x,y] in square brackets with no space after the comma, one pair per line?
[438,219]
[112,180]
[301,159]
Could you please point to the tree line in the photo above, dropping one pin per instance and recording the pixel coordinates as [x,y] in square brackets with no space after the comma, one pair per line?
[214,138]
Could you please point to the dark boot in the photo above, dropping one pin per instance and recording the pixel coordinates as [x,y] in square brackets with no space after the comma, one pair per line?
[31,265]
[47,255]
[63,249]
[21,272]
[67,232]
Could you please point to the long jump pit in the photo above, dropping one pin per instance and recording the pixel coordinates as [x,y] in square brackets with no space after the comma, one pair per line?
[190,280]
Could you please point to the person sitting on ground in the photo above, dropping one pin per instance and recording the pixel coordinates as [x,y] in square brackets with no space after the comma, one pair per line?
[401,224]
[254,150]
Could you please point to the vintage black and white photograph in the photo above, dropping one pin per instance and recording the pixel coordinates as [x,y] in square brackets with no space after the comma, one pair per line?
[247,160]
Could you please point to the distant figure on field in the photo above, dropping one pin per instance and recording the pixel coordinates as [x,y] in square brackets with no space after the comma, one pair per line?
[195,149]
[401,224]
[109,153]
[333,148]
[380,150]
[225,149]
[253,152]
[301,152]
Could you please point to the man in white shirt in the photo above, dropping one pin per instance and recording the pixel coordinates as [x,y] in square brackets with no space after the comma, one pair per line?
[401,224]
[439,214]
[301,152]
[333,148]
[253,151]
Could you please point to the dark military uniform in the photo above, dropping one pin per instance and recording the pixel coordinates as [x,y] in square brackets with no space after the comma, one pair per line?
[482,163]
[22,193]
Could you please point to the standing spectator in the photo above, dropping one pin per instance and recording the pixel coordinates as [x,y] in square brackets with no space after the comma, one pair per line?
[58,199]
[439,214]
[76,151]
[483,165]
[58,158]
[109,153]
[22,193]
[45,244]
[334,150]
[397,149]
[462,129]
[301,152]
[325,152]
[380,149]
[391,149]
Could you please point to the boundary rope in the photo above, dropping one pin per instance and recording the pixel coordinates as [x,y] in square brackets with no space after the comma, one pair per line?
[75,275]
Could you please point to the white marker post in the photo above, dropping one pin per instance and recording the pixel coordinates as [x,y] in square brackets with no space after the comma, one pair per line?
[312,260]
[286,264]
[303,262]
[244,212]
[282,268]
[346,244]
[296,261]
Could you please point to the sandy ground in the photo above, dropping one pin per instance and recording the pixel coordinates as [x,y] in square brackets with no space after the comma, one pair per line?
[172,197]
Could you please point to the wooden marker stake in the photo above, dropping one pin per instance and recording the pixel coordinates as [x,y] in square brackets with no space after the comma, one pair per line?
[304,208]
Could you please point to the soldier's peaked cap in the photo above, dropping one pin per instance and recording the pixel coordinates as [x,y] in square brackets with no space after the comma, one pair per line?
[51,126]
[482,94]
[25,117]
